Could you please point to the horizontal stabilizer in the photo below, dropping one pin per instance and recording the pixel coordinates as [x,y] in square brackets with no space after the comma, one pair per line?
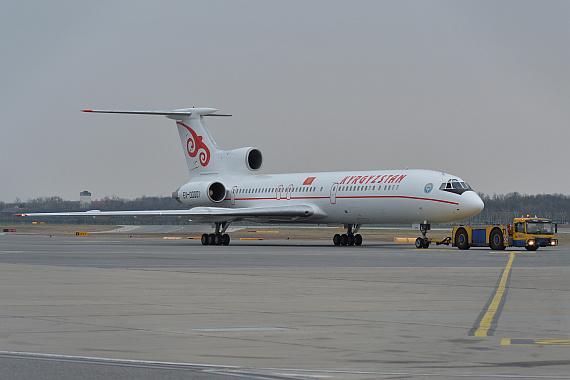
[183,112]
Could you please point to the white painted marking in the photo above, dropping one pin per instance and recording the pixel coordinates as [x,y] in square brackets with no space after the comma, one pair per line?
[241,329]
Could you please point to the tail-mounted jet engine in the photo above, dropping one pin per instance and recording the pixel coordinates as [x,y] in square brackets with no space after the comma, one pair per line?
[200,193]
[242,160]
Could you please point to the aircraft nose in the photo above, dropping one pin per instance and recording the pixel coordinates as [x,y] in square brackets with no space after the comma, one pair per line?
[470,204]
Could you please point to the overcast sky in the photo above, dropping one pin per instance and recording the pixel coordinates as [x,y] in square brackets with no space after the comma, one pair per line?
[480,89]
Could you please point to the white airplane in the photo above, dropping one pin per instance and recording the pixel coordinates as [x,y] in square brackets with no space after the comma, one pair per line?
[224,187]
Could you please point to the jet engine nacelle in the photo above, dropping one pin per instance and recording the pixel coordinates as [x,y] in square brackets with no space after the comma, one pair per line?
[200,193]
[242,160]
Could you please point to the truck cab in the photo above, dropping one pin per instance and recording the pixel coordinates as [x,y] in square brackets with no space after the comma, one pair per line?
[532,233]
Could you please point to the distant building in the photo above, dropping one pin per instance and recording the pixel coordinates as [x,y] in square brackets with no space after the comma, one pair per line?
[85,199]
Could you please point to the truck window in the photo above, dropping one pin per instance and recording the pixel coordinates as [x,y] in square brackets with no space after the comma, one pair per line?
[519,227]
[539,227]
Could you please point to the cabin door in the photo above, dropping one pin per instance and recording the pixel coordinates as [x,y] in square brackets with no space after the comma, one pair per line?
[334,188]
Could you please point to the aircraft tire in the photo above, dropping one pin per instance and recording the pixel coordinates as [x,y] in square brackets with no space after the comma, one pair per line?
[344,239]
[425,243]
[205,239]
[212,239]
[358,239]
[462,239]
[419,243]
[218,239]
[225,239]
[351,240]
[336,239]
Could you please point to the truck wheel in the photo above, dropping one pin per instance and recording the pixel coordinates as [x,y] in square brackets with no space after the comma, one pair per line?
[496,240]
[462,239]
[531,247]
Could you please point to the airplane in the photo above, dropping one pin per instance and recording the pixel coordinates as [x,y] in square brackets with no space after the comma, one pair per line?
[225,187]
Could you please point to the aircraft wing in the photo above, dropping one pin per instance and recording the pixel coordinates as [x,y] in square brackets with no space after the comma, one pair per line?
[204,214]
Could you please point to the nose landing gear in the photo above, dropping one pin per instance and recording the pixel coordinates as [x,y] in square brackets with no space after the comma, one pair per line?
[423,242]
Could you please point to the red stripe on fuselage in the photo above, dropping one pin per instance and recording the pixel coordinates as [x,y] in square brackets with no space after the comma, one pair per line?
[350,197]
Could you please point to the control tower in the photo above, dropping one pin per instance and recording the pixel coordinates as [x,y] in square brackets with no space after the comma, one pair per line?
[85,200]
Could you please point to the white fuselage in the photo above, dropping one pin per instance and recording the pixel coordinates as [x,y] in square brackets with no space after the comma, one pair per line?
[363,197]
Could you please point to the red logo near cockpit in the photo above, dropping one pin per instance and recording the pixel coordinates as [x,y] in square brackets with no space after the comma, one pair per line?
[195,146]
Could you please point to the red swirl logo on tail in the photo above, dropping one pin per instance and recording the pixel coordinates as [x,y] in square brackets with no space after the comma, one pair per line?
[195,146]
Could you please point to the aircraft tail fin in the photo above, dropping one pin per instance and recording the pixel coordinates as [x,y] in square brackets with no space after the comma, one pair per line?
[198,144]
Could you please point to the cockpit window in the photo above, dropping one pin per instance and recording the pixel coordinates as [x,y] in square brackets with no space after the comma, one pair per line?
[455,186]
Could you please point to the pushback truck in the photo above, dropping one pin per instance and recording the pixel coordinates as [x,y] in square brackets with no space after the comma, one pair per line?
[528,232]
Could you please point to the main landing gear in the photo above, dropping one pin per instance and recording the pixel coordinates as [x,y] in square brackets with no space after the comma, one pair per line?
[423,242]
[219,237]
[349,238]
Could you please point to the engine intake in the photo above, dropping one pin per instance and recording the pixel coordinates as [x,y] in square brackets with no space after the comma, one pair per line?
[254,159]
[216,192]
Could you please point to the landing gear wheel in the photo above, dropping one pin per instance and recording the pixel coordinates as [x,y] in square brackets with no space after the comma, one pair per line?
[336,239]
[496,240]
[205,239]
[423,242]
[225,239]
[212,239]
[351,240]
[419,243]
[344,239]
[218,239]
[358,239]
[462,239]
